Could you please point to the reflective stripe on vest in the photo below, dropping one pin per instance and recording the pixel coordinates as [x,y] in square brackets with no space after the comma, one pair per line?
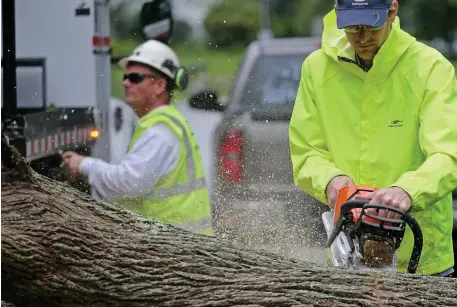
[181,188]
[184,187]
[196,226]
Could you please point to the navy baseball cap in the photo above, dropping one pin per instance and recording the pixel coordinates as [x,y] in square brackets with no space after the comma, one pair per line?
[371,13]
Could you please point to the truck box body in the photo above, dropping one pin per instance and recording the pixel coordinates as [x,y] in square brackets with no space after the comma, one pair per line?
[63,76]
[52,31]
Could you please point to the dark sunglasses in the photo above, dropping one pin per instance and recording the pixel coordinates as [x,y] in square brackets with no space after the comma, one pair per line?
[136,77]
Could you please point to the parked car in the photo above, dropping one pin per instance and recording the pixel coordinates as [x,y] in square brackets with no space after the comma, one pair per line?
[252,170]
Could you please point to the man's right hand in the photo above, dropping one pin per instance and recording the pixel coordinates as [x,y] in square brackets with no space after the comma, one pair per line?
[333,186]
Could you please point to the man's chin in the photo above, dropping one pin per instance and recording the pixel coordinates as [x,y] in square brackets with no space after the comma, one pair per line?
[367,58]
[366,54]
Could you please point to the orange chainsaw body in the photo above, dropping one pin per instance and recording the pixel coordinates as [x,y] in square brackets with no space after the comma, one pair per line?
[377,237]
[349,192]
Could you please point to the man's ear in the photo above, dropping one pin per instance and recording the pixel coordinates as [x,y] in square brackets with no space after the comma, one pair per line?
[393,11]
[162,83]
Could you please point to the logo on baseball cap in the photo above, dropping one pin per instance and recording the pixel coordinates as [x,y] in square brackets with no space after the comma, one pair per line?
[371,13]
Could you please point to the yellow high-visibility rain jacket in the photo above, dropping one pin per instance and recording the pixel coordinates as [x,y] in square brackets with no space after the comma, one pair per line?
[395,125]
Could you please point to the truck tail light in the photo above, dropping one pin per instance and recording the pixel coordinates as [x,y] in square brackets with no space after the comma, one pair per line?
[231,160]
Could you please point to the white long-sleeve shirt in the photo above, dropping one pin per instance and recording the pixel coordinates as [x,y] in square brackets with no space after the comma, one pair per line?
[154,155]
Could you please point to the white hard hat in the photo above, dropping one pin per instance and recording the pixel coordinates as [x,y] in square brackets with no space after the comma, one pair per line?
[155,54]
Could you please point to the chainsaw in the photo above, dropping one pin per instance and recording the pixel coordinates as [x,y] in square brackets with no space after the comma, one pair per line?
[359,239]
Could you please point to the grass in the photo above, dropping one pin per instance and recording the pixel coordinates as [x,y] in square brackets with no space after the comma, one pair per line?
[210,68]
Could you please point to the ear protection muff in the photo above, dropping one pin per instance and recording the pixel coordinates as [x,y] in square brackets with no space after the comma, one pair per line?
[182,78]
[181,74]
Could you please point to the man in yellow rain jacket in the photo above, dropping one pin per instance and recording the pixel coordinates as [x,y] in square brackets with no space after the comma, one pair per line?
[376,107]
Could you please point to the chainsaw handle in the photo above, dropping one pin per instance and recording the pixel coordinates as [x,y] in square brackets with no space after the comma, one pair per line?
[383,220]
[418,241]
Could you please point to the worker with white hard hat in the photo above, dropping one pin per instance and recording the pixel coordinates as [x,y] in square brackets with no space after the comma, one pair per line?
[162,174]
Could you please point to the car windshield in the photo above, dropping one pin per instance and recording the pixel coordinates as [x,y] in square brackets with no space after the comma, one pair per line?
[273,81]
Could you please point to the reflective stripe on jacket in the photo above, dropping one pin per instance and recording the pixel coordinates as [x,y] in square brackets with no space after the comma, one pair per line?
[181,197]
[395,125]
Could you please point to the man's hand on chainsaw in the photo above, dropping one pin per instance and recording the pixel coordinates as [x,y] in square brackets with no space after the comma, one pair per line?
[394,197]
[333,186]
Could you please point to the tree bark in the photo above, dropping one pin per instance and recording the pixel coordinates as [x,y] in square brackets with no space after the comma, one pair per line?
[61,248]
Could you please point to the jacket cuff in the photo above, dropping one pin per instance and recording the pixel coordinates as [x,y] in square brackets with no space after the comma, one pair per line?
[86,165]
[321,186]
[403,184]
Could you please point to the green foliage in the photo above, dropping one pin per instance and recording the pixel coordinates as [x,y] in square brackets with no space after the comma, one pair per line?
[283,26]
[232,22]
[123,47]
[295,17]
[436,18]
[281,23]
[124,24]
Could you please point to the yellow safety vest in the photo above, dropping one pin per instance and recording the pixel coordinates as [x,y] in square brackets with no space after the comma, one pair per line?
[180,198]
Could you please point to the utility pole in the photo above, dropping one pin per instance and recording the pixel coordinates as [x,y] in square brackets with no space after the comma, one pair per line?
[265,31]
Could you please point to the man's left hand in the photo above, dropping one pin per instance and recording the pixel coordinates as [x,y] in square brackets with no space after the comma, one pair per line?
[71,161]
[394,197]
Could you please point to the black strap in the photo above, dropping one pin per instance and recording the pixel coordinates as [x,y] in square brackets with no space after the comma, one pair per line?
[361,63]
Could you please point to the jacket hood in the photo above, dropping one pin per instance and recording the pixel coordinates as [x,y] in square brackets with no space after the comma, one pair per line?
[336,45]
[334,41]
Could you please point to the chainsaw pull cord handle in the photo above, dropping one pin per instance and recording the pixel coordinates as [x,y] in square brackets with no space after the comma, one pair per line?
[408,219]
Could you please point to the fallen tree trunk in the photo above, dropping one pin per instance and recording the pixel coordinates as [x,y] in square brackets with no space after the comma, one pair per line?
[60,248]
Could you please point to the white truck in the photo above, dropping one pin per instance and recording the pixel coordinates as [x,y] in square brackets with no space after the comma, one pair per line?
[56,78]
